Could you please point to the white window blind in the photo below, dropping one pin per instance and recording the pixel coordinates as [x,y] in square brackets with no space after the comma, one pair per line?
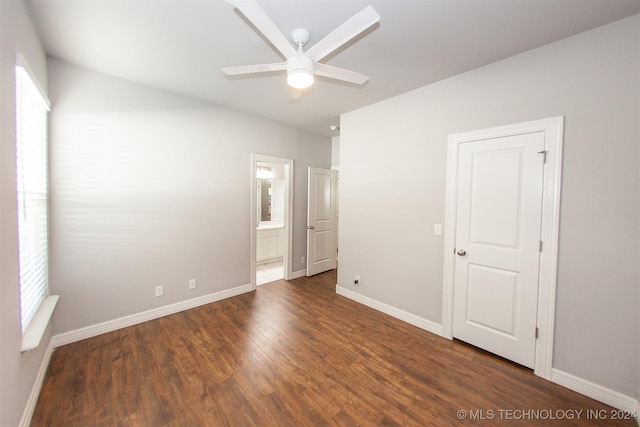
[31,148]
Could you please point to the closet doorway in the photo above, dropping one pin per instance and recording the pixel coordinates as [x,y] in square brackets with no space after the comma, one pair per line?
[271,213]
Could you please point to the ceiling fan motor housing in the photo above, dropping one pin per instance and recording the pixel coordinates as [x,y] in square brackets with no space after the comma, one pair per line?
[300,71]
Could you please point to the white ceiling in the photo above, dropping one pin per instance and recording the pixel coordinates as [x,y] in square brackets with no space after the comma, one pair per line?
[181,45]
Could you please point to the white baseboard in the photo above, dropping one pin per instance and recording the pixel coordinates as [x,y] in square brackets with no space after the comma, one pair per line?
[298,274]
[595,391]
[412,319]
[30,407]
[134,319]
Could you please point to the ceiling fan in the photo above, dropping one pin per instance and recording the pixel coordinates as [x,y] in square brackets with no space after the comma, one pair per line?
[301,66]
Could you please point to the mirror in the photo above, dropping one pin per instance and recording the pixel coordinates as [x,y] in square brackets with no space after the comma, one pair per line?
[264,199]
[270,186]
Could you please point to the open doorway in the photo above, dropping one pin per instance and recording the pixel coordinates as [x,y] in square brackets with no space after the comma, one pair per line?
[271,218]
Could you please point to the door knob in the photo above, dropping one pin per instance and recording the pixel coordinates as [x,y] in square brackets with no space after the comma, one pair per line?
[461,252]
[311,227]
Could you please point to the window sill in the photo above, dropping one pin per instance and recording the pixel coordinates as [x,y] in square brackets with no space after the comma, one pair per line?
[33,335]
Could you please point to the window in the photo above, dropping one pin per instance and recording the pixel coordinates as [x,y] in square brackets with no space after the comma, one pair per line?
[31,153]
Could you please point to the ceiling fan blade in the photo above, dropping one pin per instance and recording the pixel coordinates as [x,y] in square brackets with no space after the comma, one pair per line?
[340,74]
[251,69]
[295,95]
[354,26]
[254,13]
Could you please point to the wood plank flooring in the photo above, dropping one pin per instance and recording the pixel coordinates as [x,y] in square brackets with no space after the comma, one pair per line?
[295,354]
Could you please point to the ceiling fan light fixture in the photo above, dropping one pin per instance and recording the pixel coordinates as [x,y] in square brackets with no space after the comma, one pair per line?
[300,79]
[300,72]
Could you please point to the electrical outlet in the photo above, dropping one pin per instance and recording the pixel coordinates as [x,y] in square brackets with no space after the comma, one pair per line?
[159,291]
[356,281]
[192,284]
[303,259]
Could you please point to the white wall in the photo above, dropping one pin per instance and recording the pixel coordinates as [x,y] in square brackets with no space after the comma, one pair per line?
[392,190]
[335,151]
[17,370]
[150,188]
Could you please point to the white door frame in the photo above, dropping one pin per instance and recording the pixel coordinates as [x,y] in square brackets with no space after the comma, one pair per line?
[553,130]
[288,212]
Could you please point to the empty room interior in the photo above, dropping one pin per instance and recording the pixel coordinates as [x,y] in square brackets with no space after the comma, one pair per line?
[313,212]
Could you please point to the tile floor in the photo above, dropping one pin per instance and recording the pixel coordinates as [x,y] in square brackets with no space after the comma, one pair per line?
[269,272]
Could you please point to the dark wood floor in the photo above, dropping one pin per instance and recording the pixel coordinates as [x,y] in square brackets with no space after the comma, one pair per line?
[295,354]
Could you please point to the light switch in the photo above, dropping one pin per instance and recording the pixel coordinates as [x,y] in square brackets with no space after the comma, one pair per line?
[437,229]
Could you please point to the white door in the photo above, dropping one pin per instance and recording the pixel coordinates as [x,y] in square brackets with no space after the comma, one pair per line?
[321,221]
[499,212]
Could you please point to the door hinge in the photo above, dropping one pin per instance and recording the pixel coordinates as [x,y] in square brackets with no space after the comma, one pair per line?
[544,156]
[540,245]
[537,332]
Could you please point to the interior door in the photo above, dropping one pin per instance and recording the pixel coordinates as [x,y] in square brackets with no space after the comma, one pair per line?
[499,212]
[321,221]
